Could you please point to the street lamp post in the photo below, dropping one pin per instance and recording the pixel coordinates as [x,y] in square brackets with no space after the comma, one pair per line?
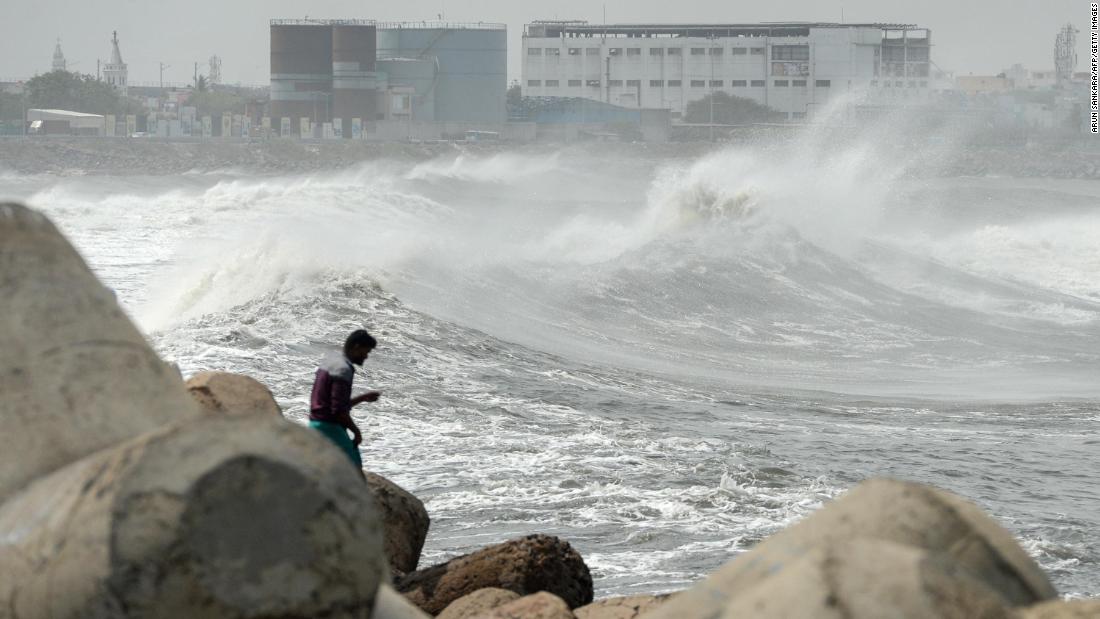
[711,86]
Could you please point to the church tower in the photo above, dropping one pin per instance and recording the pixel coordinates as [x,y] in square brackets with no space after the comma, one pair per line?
[58,57]
[114,72]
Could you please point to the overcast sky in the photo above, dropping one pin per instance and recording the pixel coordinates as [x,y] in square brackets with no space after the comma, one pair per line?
[969,36]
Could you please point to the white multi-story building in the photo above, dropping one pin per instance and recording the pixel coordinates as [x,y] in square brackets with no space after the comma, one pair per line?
[792,67]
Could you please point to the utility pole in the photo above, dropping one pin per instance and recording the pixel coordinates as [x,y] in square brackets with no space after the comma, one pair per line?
[710,52]
[607,78]
[162,68]
[196,78]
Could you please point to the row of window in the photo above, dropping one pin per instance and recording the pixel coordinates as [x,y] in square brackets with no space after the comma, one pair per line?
[901,84]
[671,51]
[679,83]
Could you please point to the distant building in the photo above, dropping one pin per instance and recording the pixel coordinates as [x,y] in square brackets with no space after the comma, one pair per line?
[791,67]
[58,57]
[983,84]
[64,122]
[359,72]
[115,72]
[323,70]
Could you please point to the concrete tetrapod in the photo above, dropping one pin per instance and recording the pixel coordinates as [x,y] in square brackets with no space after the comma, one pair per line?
[216,518]
[75,374]
[882,509]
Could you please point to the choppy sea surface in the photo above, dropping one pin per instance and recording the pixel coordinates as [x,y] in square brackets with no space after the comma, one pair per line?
[661,361]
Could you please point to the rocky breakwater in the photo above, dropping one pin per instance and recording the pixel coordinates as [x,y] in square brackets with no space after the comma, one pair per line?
[886,548]
[120,498]
[125,493]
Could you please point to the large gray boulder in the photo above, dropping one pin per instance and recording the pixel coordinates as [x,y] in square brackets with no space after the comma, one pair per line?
[76,376]
[627,607]
[540,605]
[405,520]
[389,604]
[881,509]
[478,603]
[224,393]
[526,566]
[1060,609]
[866,579]
[220,518]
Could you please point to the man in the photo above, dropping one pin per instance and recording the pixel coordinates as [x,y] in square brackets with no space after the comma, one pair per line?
[331,402]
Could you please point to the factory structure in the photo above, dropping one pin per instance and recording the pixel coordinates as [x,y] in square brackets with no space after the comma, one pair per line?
[348,78]
[790,67]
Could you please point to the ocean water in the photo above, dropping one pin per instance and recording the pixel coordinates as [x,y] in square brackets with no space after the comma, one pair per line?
[661,360]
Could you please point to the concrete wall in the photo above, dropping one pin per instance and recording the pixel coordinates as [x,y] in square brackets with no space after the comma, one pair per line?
[396,131]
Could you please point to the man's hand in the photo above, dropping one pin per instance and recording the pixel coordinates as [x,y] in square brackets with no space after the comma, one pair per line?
[370,396]
[358,440]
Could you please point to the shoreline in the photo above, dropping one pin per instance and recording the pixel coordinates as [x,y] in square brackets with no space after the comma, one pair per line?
[155,157]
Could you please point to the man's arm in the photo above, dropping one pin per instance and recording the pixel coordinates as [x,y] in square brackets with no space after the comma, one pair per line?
[370,396]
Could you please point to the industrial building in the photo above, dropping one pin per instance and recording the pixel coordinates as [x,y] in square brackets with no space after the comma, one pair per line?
[468,65]
[323,70]
[340,78]
[64,122]
[791,66]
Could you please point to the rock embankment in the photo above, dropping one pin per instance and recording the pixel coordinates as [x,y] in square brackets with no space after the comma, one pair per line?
[405,524]
[155,157]
[122,495]
[524,566]
[119,498]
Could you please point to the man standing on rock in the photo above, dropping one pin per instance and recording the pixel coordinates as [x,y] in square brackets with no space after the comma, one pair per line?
[331,402]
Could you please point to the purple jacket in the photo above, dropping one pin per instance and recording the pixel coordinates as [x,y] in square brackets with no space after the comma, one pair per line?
[331,398]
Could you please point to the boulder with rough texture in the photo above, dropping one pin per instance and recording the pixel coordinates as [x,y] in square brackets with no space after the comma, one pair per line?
[477,603]
[881,509]
[223,393]
[219,517]
[76,376]
[526,565]
[866,579]
[628,607]
[1073,609]
[405,523]
[389,604]
[541,605]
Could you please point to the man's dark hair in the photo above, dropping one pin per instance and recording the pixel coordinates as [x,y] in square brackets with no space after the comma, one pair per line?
[360,337]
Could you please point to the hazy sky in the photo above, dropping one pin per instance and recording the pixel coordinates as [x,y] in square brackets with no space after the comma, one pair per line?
[969,36]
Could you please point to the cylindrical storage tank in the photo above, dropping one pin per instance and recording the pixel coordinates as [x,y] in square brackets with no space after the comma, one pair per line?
[417,74]
[354,83]
[472,63]
[301,71]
